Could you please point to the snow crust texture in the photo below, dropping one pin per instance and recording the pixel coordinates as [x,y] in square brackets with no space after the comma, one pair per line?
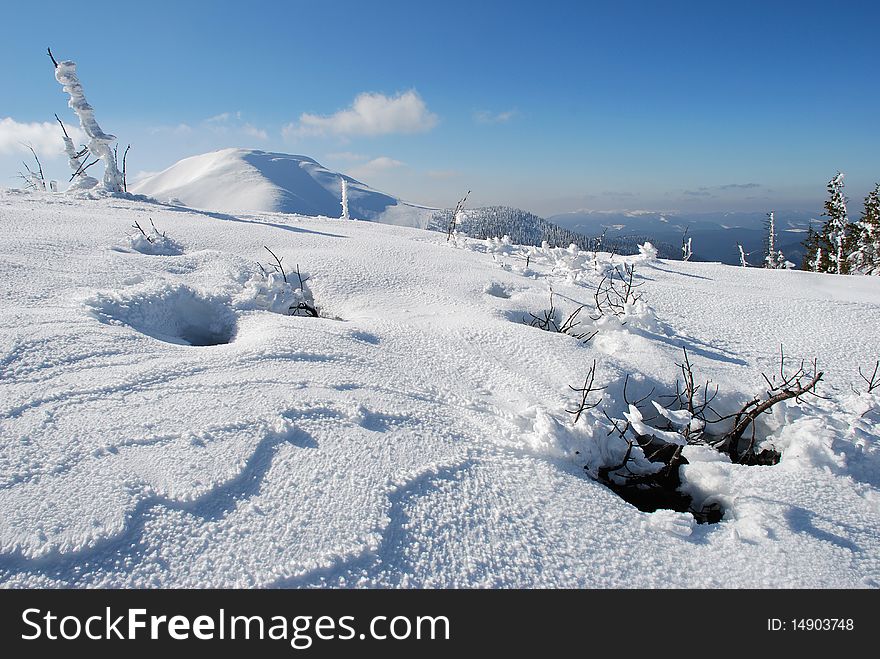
[164,422]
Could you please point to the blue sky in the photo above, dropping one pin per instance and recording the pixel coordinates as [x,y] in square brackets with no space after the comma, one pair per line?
[550,106]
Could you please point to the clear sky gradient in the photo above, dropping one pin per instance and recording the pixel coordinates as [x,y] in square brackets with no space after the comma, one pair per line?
[549,106]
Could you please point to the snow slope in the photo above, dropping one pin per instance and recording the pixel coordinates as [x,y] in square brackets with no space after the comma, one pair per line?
[416,433]
[232,180]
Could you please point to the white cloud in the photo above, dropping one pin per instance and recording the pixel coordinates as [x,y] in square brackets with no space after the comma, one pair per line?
[369,114]
[347,156]
[486,117]
[223,117]
[45,137]
[179,129]
[376,166]
[253,131]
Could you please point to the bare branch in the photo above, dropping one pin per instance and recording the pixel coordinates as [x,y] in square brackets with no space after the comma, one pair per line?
[137,226]
[124,179]
[452,221]
[277,265]
[585,391]
[82,169]
[873,382]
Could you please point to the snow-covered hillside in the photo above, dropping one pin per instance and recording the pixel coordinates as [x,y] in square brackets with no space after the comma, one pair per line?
[232,180]
[162,425]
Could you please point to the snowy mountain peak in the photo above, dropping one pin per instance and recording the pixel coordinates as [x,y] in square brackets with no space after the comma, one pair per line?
[253,180]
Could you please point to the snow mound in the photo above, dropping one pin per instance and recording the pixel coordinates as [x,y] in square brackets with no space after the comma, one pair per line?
[233,180]
[174,314]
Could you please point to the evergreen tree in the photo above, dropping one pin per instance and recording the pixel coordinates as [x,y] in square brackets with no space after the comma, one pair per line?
[834,239]
[811,246]
[865,252]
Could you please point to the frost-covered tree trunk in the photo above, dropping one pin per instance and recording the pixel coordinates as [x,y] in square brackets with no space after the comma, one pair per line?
[742,257]
[99,141]
[344,202]
[773,256]
[836,228]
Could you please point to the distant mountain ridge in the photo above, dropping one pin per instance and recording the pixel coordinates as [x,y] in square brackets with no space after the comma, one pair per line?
[716,236]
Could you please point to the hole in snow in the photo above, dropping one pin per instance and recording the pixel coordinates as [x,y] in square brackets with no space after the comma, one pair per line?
[176,315]
[652,499]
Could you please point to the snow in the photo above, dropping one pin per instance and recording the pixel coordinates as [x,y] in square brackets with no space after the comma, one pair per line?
[232,180]
[163,422]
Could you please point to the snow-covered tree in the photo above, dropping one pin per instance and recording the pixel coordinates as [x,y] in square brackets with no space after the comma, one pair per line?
[458,216]
[773,257]
[687,250]
[815,257]
[742,257]
[344,202]
[99,141]
[865,255]
[77,161]
[836,229]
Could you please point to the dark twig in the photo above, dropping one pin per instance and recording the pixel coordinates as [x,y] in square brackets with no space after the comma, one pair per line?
[124,177]
[82,169]
[873,382]
[585,391]
[137,225]
[458,208]
[277,265]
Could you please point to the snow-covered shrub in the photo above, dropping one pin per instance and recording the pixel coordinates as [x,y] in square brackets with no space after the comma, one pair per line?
[273,291]
[153,242]
[647,253]
[553,320]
